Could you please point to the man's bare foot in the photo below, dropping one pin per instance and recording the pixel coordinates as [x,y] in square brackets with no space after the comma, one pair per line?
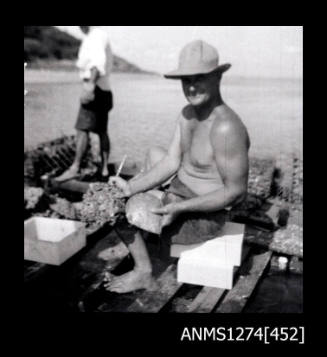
[105,172]
[131,281]
[69,174]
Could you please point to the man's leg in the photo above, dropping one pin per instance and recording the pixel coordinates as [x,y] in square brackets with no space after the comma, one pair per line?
[82,139]
[141,276]
[104,152]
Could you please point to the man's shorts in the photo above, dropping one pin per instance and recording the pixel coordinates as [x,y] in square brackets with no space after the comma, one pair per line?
[190,228]
[93,116]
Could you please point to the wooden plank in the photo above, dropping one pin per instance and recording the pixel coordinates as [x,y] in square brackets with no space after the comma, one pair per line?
[97,282]
[206,300]
[153,301]
[208,297]
[33,270]
[71,185]
[236,299]
[95,285]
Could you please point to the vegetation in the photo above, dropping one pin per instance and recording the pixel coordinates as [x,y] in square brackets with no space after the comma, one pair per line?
[47,42]
[48,47]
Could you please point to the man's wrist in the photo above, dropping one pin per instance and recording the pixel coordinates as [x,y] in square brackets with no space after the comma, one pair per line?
[133,186]
[178,207]
[128,190]
[89,86]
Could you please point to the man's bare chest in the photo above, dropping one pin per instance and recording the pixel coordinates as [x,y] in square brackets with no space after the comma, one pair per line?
[196,143]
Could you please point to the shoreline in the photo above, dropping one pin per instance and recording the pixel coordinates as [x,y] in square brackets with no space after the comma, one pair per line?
[45,75]
[31,73]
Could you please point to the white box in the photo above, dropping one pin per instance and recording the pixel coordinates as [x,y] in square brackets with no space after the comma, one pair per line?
[177,249]
[226,248]
[52,241]
[205,272]
[213,262]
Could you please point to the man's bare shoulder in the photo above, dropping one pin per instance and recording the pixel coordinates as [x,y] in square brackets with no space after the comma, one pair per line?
[228,123]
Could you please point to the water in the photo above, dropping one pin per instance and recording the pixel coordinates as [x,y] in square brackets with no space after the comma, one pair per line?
[278,293]
[146,108]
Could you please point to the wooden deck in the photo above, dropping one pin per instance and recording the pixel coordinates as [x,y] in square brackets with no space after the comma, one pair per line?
[76,285]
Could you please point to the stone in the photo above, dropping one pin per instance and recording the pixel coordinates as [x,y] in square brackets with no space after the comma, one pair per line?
[52,241]
[283,263]
[289,240]
[296,265]
[35,198]
[279,263]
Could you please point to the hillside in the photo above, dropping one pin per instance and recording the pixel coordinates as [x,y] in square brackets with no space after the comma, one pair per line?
[48,47]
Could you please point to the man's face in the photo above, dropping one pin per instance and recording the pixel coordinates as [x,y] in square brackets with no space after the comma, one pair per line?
[201,88]
[85,29]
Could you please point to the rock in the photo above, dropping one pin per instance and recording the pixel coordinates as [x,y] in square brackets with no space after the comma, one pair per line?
[278,263]
[64,208]
[138,212]
[282,263]
[288,240]
[35,199]
[296,265]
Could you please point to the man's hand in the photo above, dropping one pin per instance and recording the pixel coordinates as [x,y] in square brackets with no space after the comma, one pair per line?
[169,212]
[122,184]
[87,93]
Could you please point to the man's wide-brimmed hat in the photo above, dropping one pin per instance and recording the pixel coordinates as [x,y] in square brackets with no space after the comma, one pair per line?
[197,57]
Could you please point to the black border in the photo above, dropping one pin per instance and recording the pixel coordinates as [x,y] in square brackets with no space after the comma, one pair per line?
[139,329]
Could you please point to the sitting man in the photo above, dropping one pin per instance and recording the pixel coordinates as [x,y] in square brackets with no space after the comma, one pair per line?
[207,163]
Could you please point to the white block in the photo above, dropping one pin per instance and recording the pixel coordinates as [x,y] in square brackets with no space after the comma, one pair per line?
[205,272]
[177,249]
[52,241]
[226,249]
[211,263]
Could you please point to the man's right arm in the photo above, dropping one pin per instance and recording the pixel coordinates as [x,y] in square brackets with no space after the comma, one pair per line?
[89,87]
[159,173]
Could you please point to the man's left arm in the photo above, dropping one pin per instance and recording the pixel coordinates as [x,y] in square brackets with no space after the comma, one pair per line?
[231,156]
